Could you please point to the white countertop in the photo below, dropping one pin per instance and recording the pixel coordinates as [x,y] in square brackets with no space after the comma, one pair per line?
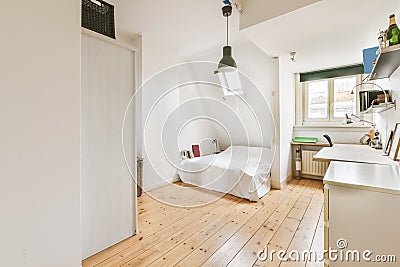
[354,153]
[373,177]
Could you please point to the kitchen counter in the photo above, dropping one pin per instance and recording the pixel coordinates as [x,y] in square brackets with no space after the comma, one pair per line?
[372,177]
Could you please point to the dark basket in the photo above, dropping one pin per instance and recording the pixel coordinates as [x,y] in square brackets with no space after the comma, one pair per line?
[98,17]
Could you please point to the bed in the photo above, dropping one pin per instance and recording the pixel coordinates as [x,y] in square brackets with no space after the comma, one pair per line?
[239,170]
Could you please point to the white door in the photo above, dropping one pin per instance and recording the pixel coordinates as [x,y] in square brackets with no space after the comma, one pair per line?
[107,194]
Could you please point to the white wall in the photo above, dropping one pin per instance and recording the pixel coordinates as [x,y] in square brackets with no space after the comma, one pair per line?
[157,55]
[137,42]
[232,113]
[152,57]
[286,107]
[194,130]
[40,117]
[387,120]
[155,58]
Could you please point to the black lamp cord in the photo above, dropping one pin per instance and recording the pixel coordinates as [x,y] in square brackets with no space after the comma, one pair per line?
[227,30]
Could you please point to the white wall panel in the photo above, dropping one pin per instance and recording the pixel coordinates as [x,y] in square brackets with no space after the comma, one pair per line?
[107,188]
[39,144]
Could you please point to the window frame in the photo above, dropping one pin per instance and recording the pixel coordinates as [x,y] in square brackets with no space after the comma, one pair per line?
[302,101]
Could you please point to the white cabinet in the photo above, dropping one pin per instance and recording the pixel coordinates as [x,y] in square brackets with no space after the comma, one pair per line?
[362,207]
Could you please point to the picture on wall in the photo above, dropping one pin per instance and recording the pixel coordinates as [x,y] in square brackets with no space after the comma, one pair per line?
[389,140]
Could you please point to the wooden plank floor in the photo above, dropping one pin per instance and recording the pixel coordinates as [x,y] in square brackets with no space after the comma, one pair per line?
[227,232]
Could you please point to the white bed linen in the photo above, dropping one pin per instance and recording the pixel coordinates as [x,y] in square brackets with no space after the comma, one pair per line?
[239,170]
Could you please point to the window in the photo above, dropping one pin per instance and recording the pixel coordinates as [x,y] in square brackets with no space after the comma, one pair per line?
[328,100]
[317,96]
[230,79]
[344,101]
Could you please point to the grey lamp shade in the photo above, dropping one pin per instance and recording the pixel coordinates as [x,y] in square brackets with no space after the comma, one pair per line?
[227,72]
[227,59]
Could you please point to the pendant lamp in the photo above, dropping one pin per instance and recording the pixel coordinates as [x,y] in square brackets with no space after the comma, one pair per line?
[227,67]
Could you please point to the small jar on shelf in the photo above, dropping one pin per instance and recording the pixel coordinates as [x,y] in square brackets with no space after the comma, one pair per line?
[381,41]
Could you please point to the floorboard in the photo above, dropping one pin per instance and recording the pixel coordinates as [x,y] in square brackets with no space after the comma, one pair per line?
[227,232]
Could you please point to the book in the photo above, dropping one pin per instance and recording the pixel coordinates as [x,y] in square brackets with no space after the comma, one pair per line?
[196,151]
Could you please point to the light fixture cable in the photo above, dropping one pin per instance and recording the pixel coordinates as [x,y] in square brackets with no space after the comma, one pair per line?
[227,30]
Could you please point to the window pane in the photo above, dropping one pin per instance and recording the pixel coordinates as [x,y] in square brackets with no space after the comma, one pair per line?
[233,79]
[230,82]
[318,100]
[344,101]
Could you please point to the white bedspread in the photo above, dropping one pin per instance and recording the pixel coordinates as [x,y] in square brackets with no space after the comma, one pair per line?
[239,170]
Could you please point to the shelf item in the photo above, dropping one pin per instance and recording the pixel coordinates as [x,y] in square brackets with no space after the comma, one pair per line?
[379,108]
[369,57]
[309,144]
[369,97]
[305,139]
[387,62]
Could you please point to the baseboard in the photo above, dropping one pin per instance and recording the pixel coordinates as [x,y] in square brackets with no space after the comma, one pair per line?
[282,184]
[314,177]
[155,186]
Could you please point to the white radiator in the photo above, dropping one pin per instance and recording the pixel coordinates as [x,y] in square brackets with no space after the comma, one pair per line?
[311,167]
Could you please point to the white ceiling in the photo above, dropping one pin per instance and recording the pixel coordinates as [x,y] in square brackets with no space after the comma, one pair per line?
[188,26]
[258,11]
[326,33]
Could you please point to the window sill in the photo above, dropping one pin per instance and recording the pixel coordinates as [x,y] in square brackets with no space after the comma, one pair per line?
[338,128]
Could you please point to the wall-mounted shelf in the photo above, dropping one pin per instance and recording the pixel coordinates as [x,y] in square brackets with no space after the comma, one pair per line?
[386,63]
[379,108]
